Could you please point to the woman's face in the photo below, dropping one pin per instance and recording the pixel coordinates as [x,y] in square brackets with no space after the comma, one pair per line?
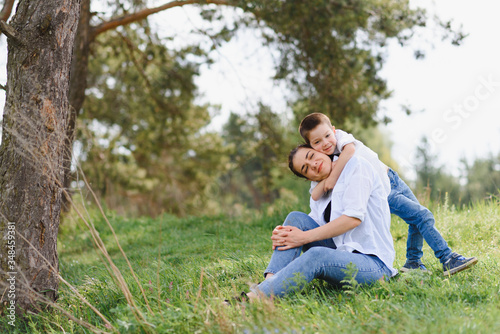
[314,165]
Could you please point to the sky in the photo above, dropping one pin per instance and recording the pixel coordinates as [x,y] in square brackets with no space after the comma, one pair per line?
[458,89]
[455,91]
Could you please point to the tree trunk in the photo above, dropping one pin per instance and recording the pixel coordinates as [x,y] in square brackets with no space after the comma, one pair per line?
[77,86]
[36,116]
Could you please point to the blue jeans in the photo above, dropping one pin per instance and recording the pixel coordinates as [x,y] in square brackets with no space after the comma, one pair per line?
[319,260]
[420,220]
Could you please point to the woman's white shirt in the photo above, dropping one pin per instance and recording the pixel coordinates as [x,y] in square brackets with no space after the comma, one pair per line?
[360,193]
[343,138]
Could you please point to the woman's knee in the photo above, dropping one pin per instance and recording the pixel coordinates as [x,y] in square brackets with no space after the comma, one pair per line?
[296,218]
[315,252]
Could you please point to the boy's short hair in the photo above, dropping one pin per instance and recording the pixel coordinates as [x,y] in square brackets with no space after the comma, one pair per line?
[310,122]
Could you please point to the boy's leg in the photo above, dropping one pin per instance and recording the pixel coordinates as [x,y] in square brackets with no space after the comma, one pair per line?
[414,244]
[325,263]
[404,204]
[281,259]
[397,204]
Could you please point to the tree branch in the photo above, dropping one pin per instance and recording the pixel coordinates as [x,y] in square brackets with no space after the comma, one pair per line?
[140,15]
[10,32]
[6,10]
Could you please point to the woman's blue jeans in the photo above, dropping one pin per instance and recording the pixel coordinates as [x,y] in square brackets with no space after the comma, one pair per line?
[320,259]
[420,220]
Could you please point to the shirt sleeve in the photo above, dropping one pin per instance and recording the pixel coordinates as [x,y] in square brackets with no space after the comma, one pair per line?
[313,185]
[315,214]
[358,191]
[343,138]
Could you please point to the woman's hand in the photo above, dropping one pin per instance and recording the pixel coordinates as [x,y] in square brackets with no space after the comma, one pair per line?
[276,232]
[287,237]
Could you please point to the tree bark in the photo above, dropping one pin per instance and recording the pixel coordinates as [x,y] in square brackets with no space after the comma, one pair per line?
[36,117]
[77,86]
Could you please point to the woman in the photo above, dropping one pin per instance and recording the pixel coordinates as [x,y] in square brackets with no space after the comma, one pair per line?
[356,230]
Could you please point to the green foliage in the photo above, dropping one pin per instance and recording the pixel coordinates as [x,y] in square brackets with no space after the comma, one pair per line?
[188,266]
[142,136]
[260,145]
[141,132]
[431,179]
[350,283]
[483,179]
[330,52]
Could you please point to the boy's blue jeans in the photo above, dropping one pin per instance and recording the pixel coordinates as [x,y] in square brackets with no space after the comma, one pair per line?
[420,220]
[320,260]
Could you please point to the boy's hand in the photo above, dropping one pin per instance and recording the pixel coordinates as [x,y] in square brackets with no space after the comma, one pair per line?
[330,182]
[329,185]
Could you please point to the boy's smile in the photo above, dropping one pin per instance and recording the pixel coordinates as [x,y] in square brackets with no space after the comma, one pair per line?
[322,139]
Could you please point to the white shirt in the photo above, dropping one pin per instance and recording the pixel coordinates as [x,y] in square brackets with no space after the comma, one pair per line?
[359,193]
[344,138]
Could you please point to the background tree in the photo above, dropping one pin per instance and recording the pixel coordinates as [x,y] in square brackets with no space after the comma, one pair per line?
[329,52]
[259,148]
[36,116]
[332,51]
[88,29]
[432,181]
[482,179]
[148,154]
[331,60]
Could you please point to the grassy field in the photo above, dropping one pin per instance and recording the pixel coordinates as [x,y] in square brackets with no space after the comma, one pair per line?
[186,267]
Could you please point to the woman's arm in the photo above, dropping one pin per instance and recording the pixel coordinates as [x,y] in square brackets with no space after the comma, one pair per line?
[287,237]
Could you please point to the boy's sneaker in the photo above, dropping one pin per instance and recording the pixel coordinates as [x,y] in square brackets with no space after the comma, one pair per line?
[457,263]
[414,266]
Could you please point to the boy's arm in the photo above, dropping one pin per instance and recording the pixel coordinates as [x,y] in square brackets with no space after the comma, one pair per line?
[318,192]
[346,154]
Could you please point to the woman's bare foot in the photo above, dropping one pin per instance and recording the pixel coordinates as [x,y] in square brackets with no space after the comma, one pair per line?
[252,296]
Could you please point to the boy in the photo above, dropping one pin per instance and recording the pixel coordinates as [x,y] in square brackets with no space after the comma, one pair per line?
[318,132]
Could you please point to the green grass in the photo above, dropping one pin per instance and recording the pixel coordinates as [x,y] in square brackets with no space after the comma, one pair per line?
[188,266]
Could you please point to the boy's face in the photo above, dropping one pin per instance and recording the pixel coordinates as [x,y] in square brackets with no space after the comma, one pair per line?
[322,139]
[315,166]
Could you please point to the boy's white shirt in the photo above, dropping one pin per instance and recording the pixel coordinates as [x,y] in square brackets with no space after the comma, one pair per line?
[359,193]
[344,138]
